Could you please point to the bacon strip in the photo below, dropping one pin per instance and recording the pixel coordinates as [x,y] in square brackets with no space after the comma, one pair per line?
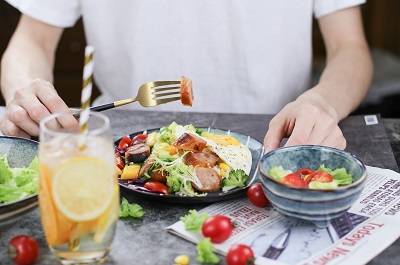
[190,142]
[202,159]
[209,178]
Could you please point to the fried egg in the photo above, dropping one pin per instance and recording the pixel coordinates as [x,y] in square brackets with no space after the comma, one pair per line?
[230,150]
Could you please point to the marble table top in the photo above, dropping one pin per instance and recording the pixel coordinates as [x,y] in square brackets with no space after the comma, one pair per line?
[145,240]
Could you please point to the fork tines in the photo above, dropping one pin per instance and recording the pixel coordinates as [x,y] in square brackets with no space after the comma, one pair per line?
[163,89]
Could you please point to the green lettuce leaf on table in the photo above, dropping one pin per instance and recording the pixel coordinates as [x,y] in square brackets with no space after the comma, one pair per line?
[194,221]
[205,254]
[18,183]
[130,209]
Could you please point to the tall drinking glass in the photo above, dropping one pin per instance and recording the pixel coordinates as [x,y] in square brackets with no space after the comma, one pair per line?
[78,190]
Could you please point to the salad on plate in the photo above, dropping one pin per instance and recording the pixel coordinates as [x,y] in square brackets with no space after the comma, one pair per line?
[183,160]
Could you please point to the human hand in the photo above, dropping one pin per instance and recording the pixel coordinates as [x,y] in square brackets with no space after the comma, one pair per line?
[29,105]
[304,121]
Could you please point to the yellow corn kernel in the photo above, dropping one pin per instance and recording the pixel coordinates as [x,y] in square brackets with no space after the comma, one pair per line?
[151,139]
[224,166]
[130,172]
[119,171]
[222,172]
[182,260]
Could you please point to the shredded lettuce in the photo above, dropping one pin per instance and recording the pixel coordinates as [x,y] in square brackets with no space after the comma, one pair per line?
[18,183]
[179,177]
[130,209]
[193,221]
[205,254]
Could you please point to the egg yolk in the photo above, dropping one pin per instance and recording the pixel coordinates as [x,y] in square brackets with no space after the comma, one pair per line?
[223,140]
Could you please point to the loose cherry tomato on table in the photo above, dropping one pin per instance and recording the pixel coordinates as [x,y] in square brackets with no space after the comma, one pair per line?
[23,250]
[257,196]
[218,228]
[125,142]
[240,254]
[320,176]
[294,180]
[156,186]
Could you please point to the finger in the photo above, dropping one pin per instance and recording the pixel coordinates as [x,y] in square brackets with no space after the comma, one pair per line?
[301,132]
[20,118]
[335,139]
[55,104]
[276,132]
[9,128]
[319,133]
[27,99]
[35,112]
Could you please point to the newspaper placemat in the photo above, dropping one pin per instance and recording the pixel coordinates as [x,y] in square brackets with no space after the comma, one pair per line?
[356,237]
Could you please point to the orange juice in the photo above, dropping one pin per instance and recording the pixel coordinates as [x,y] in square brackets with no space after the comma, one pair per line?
[78,196]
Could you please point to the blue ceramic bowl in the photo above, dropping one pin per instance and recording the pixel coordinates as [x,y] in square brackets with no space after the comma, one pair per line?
[316,206]
[20,152]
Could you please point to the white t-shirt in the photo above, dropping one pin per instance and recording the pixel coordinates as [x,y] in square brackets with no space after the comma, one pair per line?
[243,56]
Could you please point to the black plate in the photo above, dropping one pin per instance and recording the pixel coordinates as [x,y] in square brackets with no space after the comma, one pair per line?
[257,150]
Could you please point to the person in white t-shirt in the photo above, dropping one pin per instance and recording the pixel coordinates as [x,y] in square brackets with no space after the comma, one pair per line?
[243,57]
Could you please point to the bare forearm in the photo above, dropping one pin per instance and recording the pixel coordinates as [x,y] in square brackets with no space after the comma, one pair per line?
[22,63]
[26,78]
[29,55]
[346,79]
[344,82]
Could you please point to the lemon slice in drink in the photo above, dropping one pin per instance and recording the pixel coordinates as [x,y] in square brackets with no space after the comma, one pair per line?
[83,188]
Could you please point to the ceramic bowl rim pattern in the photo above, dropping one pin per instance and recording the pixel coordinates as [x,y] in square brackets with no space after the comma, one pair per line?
[362,178]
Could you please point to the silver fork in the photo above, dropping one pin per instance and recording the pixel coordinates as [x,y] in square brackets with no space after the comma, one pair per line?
[150,94]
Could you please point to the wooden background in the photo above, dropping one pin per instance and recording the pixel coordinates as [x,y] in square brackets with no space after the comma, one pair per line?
[381,23]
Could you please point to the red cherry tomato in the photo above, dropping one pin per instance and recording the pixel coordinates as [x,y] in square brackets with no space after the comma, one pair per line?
[294,180]
[257,196]
[156,186]
[23,250]
[218,228]
[119,161]
[240,254]
[138,139]
[125,142]
[304,171]
[318,176]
